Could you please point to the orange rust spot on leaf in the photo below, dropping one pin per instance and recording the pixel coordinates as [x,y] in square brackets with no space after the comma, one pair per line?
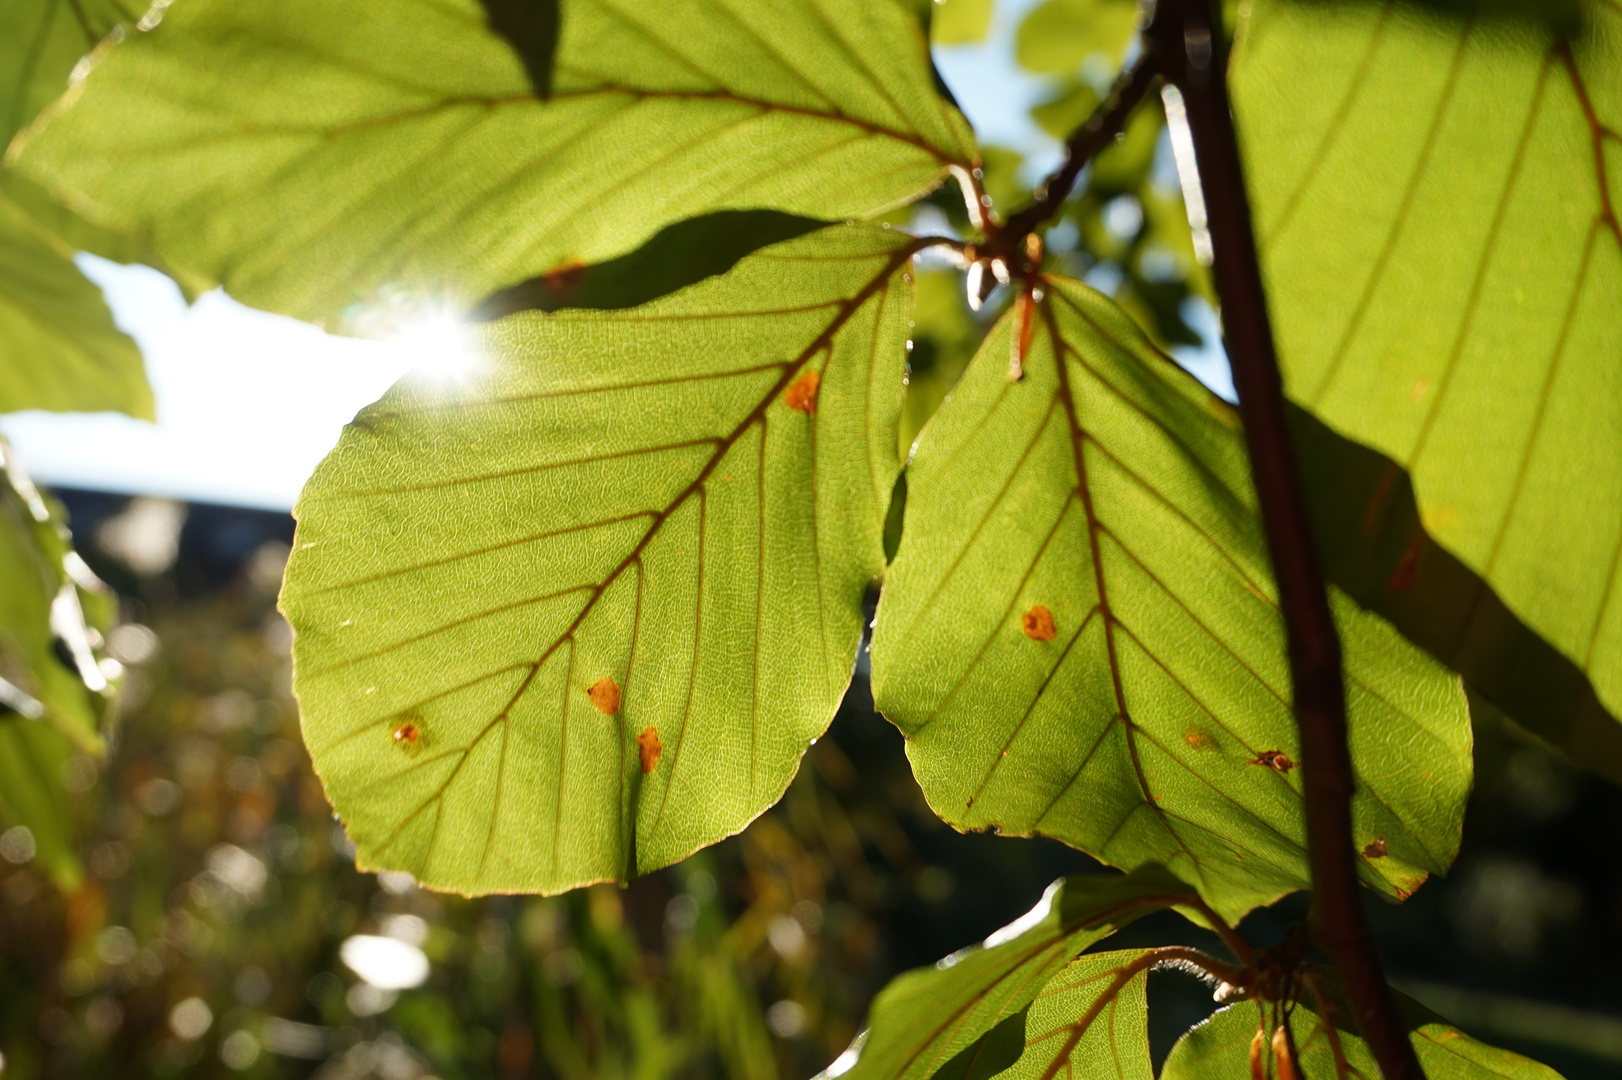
[1198,739]
[1375,849]
[649,747]
[605,694]
[1273,759]
[802,395]
[1038,624]
[407,734]
[1446,1035]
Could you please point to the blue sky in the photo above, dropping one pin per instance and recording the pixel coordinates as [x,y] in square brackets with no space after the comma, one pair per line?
[248,403]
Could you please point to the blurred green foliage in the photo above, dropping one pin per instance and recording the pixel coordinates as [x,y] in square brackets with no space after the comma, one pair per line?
[205,940]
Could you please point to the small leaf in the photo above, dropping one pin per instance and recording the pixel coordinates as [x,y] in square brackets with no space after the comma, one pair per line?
[960,22]
[1219,1048]
[1112,490]
[1436,203]
[620,526]
[321,156]
[955,1019]
[1059,34]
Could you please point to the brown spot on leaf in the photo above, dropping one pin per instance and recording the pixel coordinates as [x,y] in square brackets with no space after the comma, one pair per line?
[802,395]
[1375,849]
[1198,739]
[407,734]
[1402,893]
[1038,624]
[1274,759]
[566,279]
[605,694]
[1406,573]
[649,747]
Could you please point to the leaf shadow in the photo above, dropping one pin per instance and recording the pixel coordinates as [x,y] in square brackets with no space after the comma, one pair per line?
[677,256]
[1375,547]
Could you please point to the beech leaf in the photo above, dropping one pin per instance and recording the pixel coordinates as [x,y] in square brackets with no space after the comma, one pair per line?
[1079,635]
[1436,209]
[660,519]
[322,156]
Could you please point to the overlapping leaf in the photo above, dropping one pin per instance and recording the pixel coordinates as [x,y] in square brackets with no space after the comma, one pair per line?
[59,348]
[1092,1020]
[684,499]
[967,1016]
[314,155]
[1437,208]
[53,691]
[1219,1048]
[1079,636]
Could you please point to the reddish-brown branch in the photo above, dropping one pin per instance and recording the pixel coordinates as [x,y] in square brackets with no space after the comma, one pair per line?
[1106,122]
[1189,42]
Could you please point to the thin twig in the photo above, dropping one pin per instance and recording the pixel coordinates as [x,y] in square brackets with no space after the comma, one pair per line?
[1106,122]
[1192,47]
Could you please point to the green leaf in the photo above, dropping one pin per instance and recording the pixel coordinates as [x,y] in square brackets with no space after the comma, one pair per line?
[623,496]
[961,22]
[53,691]
[680,255]
[1092,1020]
[42,43]
[968,1013]
[1373,546]
[1079,635]
[317,156]
[59,348]
[1436,208]
[1219,1048]
[32,794]
[1058,35]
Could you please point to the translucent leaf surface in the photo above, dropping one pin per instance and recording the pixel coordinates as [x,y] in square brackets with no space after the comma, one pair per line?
[314,154]
[967,1015]
[1219,1048]
[59,348]
[637,534]
[1079,636]
[1092,1020]
[1436,202]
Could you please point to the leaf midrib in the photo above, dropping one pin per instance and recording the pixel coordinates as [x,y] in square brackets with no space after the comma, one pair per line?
[845,309]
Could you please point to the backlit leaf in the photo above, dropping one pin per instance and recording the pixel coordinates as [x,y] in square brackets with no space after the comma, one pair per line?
[53,691]
[960,22]
[663,518]
[1059,34]
[1079,635]
[1219,1048]
[1092,1020]
[1436,203]
[59,348]
[967,1015]
[316,156]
